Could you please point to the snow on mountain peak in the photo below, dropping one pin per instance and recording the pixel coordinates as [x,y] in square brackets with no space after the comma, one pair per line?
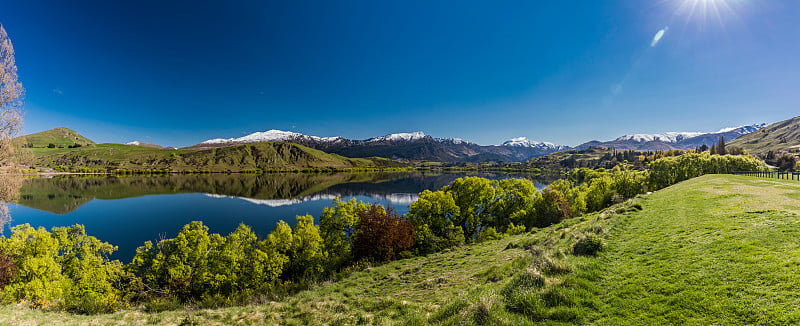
[134,143]
[268,136]
[743,129]
[525,142]
[403,136]
[674,137]
[667,137]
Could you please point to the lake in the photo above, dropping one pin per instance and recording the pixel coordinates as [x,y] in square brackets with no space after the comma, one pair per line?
[127,211]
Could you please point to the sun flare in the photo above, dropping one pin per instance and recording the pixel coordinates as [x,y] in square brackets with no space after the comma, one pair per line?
[704,11]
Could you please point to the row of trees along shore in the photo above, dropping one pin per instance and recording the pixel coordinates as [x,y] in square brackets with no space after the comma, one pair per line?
[66,269]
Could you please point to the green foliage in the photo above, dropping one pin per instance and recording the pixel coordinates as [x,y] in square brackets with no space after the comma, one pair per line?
[39,276]
[337,226]
[196,264]
[551,207]
[436,209]
[515,229]
[303,245]
[66,268]
[489,234]
[473,196]
[513,203]
[671,170]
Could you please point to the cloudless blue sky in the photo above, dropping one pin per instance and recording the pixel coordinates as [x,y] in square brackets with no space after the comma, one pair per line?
[180,72]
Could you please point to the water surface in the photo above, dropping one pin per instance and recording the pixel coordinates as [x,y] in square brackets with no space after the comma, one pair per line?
[126,211]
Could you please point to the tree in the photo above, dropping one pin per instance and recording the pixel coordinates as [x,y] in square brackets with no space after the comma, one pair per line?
[721,146]
[473,196]
[11,93]
[337,226]
[381,235]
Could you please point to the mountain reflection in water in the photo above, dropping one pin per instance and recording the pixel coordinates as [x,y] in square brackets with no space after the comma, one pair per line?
[126,211]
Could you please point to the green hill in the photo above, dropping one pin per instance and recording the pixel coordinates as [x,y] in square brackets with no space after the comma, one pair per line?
[778,137]
[266,156]
[714,250]
[57,138]
[572,158]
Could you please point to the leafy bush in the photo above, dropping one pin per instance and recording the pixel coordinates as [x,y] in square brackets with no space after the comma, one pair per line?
[489,234]
[515,229]
[7,270]
[381,234]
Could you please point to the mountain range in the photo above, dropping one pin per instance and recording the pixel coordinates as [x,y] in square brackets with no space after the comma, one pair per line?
[409,146]
[783,136]
[673,140]
[420,146]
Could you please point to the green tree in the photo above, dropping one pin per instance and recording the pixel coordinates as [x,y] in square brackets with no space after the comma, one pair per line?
[473,196]
[93,278]
[513,203]
[304,247]
[434,209]
[337,226]
[38,278]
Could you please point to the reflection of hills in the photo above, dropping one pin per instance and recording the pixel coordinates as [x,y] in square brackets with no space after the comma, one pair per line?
[64,194]
[411,184]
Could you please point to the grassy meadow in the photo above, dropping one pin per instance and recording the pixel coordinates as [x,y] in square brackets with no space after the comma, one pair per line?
[714,250]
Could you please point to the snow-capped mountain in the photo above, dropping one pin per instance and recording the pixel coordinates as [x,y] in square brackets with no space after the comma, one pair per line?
[143,144]
[674,140]
[269,136]
[676,137]
[525,142]
[407,145]
[403,136]
[667,137]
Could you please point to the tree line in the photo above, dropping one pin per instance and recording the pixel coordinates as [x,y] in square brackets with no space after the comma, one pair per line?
[69,270]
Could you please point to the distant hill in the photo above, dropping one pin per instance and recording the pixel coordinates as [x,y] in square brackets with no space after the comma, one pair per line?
[778,137]
[673,140]
[266,156]
[150,145]
[55,138]
[407,146]
[589,157]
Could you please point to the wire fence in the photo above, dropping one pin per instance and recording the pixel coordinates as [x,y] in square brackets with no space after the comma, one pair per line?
[770,174]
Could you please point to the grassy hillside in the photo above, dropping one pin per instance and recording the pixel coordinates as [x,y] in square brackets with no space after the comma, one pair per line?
[712,250]
[778,137]
[570,158]
[266,156]
[58,137]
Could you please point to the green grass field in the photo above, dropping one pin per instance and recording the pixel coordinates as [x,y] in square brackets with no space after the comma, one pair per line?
[714,250]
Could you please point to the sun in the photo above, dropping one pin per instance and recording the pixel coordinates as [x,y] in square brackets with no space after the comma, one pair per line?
[705,11]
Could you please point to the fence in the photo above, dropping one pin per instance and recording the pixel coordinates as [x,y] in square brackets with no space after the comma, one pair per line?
[770,174]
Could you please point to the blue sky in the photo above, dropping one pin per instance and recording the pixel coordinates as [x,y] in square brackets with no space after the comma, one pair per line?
[180,72]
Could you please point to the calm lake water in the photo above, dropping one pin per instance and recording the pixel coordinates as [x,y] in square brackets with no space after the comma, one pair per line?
[126,211]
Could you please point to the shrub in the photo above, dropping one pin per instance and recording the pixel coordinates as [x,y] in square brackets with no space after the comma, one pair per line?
[588,245]
[7,269]
[489,234]
[515,229]
[381,234]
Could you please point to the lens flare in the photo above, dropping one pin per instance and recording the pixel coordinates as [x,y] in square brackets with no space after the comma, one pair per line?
[704,11]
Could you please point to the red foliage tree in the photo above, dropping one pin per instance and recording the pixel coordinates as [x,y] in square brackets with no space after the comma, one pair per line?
[7,270]
[381,235]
